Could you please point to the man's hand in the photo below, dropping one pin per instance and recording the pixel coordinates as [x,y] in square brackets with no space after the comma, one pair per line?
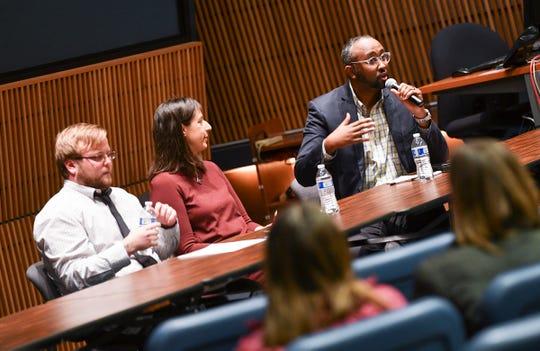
[141,238]
[404,92]
[165,214]
[348,133]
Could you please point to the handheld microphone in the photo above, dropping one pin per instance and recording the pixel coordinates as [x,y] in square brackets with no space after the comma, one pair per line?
[391,83]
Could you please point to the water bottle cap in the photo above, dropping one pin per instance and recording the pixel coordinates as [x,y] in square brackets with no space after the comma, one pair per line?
[321,166]
[416,135]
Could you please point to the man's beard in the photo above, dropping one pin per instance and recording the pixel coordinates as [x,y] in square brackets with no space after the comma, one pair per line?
[103,182]
[375,84]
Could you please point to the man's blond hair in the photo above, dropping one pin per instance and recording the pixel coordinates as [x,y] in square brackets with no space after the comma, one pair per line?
[74,140]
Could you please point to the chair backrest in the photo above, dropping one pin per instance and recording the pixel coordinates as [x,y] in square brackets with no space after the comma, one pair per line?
[263,130]
[428,324]
[216,329]
[512,294]
[37,274]
[397,267]
[457,46]
[521,334]
[464,45]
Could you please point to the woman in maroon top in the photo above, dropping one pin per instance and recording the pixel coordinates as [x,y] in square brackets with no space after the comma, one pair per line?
[309,281]
[208,209]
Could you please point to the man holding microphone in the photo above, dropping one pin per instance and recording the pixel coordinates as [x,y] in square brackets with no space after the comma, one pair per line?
[363,131]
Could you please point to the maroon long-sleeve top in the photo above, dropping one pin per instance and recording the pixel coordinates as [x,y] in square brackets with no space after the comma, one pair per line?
[208,211]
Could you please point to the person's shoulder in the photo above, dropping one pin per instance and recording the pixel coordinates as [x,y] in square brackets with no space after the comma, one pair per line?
[456,262]
[212,165]
[392,296]
[254,341]
[66,197]
[116,190]
[120,192]
[165,178]
[331,95]
[524,236]
[213,168]
[65,203]
[522,246]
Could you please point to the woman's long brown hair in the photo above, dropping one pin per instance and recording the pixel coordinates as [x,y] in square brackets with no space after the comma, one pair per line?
[172,153]
[493,195]
[308,274]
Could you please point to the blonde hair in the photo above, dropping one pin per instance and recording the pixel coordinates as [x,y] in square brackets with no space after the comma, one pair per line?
[74,140]
[493,195]
[308,274]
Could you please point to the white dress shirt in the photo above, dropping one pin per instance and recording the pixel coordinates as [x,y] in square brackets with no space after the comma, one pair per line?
[81,243]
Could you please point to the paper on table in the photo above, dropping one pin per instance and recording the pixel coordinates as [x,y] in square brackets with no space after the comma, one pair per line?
[219,248]
[406,178]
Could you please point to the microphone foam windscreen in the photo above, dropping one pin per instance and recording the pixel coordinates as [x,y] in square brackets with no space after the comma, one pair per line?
[391,83]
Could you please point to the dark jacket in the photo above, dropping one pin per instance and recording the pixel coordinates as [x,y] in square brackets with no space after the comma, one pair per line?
[462,274]
[326,112]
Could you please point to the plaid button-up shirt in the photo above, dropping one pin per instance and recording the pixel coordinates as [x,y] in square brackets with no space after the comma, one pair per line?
[381,159]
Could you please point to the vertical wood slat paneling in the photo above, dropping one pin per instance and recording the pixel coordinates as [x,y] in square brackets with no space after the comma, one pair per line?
[268,58]
[16,254]
[121,95]
[34,110]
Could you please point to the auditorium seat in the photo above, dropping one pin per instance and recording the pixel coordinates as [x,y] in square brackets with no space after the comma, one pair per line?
[216,329]
[512,294]
[427,324]
[518,335]
[397,267]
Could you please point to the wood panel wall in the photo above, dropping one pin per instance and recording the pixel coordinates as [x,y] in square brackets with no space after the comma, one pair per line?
[120,95]
[268,58]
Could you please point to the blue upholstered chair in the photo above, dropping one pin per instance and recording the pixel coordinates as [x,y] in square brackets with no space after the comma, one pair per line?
[215,329]
[520,334]
[512,294]
[429,324]
[397,267]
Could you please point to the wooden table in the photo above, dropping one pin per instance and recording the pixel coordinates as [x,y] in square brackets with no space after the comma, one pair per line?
[106,302]
[97,305]
[383,201]
[507,80]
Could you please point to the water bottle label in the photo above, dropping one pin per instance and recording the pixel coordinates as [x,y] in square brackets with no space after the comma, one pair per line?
[325,184]
[419,151]
[147,220]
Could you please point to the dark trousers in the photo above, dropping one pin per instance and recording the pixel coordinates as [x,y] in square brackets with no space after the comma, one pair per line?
[408,227]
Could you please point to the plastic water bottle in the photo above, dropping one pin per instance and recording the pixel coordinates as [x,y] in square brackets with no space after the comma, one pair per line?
[327,193]
[421,158]
[147,214]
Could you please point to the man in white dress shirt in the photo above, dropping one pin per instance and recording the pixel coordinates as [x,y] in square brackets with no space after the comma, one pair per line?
[78,232]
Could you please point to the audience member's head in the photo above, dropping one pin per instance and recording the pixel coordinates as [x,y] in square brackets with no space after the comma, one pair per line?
[83,155]
[180,136]
[493,195]
[308,275]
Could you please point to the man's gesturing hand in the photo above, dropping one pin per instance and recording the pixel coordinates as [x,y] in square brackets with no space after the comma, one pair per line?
[348,133]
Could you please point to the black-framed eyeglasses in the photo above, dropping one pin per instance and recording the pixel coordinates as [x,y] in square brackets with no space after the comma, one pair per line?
[98,158]
[372,61]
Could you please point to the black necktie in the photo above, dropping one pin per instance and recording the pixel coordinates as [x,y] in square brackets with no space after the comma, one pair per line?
[144,260]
